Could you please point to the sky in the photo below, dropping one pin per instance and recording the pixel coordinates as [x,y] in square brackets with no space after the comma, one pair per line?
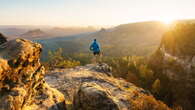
[92,12]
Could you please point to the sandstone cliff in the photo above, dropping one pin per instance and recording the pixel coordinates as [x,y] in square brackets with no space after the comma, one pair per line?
[22,84]
[176,53]
[175,61]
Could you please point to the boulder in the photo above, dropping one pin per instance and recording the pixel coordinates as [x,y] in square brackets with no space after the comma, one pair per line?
[22,84]
[102,68]
[91,96]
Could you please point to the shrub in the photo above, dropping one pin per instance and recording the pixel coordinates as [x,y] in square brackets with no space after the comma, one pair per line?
[148,103]
[57,60]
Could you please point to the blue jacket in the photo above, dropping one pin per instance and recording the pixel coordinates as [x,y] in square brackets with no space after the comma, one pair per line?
[95,47]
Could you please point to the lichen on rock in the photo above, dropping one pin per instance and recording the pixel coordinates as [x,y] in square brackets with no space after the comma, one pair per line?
[91,96]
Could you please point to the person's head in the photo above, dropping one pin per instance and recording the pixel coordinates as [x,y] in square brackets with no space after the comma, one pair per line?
[94,40]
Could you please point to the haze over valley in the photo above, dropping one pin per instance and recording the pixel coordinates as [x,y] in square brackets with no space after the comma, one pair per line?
[97,55]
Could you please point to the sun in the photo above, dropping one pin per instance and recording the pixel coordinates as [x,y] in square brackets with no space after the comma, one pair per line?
[167,21]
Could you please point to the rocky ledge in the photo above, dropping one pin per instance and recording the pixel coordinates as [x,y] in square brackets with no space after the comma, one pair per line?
[22,84]
[92,87]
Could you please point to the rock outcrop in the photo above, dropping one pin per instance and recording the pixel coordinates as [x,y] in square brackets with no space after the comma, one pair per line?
[22,84]
[33,34]
[3,39]
[89,88]
[175,62]
[176,53]
[92,96]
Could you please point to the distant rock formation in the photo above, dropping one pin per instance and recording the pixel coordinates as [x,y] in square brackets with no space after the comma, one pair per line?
[90,87]
[102,30]
[32,34]
[22,84]
[3,39]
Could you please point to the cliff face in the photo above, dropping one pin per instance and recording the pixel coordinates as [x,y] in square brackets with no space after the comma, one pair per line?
[177,52]
[22,84]
[175,62]
[92,87]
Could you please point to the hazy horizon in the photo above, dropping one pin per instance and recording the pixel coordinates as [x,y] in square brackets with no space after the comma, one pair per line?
[75,13]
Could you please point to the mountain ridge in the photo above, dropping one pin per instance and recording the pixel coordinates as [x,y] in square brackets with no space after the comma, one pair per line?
[33,34]
[117,41]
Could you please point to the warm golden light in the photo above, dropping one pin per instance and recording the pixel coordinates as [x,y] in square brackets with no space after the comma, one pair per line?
[167,21]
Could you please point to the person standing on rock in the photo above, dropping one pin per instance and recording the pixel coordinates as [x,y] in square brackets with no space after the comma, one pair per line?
[95,48]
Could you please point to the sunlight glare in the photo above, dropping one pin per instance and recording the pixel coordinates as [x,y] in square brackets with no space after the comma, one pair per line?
[167,21]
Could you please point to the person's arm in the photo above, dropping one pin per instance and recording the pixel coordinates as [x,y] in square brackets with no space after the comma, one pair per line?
[98,46]
[91,47]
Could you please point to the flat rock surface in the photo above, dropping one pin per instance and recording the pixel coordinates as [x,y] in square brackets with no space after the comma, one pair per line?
[121,93]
